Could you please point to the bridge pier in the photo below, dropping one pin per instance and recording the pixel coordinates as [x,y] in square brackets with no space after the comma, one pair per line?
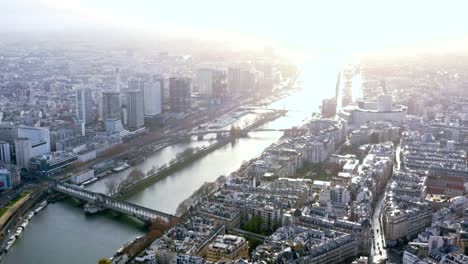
[200,137]
[78,201]
[93,208]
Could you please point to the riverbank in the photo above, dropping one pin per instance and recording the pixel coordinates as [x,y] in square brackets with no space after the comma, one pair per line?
[15,214]
[10,209]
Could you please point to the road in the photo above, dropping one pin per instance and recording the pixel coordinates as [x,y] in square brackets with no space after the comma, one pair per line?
[398,157]
[378,252]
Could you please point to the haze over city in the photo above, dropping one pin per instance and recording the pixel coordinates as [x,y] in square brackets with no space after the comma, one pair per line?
[241,132]
[343,26]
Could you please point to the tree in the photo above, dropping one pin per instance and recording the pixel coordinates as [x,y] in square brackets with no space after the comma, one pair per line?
[152,170]
[111,187]
[135,176]
[254,225]
[161,225]
[374,138]
[104,261]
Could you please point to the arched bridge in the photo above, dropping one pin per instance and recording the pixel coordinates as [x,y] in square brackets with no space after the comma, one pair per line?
[105,202]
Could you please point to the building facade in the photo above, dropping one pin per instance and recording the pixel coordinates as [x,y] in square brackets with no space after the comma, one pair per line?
[135,108]
[9,176]
[5,153]
[39,138]
[234,81]
[23,152]
[179,94]
[84,105]
[227,248]
[111,107]
[153,93]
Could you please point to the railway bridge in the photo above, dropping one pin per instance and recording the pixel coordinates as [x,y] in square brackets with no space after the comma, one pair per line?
[98,201]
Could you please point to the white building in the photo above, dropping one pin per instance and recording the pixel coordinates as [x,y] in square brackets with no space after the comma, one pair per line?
[23,152]
[315,152]
[84,105]
[234,81]
[5,154]
[82,176]
[382,110]
[153,93]
[135,108]
[336,194]
[39,137]
[205,82]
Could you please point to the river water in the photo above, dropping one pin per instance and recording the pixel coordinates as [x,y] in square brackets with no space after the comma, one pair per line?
[62,233]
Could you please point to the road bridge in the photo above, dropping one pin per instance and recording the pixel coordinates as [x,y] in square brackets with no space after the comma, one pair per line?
[102,201]
[270,109]
[217,131]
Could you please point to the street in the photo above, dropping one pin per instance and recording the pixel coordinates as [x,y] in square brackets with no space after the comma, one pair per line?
[378,252]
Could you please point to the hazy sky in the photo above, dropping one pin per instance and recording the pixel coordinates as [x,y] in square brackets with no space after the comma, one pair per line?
[307,24]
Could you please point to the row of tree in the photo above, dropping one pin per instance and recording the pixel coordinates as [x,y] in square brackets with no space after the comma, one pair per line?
[113,186]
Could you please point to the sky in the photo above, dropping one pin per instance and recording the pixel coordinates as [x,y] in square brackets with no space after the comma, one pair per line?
[347,25]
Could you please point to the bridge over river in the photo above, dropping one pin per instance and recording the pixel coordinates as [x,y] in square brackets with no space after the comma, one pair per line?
[98,201]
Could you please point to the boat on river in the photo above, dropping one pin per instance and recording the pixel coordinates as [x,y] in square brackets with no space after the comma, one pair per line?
[121,167]
[30,215]
[40,207]
[18,231]
[10,243]
[90,181]
[25,223]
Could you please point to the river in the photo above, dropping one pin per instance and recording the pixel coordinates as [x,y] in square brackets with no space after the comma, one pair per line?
[62,233]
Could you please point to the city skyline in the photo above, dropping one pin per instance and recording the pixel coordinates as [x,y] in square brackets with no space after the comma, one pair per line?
[233,132]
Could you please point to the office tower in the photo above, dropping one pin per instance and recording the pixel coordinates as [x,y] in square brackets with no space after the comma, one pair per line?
[219,85]
[234,82]
[79,128]
[179,94]
[153,93]
[9,176]
[205,82]
[267,69]
[7,132]
[23,152]
[5,154]
[39,137]
[248,81]
[135,109]
[136,84]
[117,80]
[111,105]
[84,105]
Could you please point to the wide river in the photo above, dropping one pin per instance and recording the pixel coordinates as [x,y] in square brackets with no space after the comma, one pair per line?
[62,233]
